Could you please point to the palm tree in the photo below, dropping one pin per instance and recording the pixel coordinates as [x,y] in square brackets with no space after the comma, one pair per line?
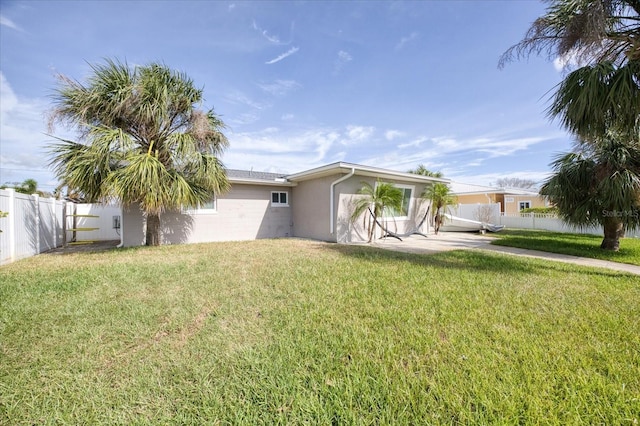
[28,186]
[142,140]
[422,170]
[603,37]
[383,196]
[599,184]
[441,198]
[589,31]
[593,99]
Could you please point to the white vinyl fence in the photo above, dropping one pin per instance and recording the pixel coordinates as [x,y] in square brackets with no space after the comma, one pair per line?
[548,222]
[35,224]
[543,221]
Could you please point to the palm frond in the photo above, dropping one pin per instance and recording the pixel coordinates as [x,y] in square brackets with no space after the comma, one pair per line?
[591,31]
[591,185]
[593,99]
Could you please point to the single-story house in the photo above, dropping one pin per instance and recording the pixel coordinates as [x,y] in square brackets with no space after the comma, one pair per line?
[511,200]
[316,204]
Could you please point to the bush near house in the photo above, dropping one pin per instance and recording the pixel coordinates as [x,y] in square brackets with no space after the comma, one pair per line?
[541,210]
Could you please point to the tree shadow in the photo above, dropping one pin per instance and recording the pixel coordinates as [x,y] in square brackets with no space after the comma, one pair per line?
[569,244]
[175,228]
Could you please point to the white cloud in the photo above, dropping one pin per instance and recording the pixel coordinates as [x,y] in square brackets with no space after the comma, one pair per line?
[449,154]
[271,38]
[447,143]
[405,40]
[343,58]
[271,149]
[240,98]
[280,87]
[242,119]
[22,137]
[8,99]
[395,160]
[572,59]
[415,143]
[489,178]
[505,147]
[560,63]
[393,134]
[357,134]
[6,22]
[283,56]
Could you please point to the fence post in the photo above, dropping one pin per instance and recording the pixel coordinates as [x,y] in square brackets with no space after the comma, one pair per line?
[533,219]
[12,224]
[54,221]
[36,204]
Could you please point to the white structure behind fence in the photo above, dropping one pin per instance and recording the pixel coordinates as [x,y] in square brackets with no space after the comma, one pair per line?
[488,213]
[35,224]
[104,222]
[547,222]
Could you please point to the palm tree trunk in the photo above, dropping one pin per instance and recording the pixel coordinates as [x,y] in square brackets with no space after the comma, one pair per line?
[372,227]
[613,231]
[153,229]
[437,221]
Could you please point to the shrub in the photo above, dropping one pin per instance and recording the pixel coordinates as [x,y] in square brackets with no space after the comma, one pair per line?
[547,210]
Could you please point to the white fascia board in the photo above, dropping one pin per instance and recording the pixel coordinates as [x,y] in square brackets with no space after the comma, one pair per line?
[341,167]
[494,191]
[248,181]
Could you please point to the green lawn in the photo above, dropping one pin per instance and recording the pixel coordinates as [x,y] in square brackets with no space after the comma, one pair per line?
[573,244]
[299,332]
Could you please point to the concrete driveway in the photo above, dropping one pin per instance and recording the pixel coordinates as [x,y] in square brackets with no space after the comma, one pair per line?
[444,241]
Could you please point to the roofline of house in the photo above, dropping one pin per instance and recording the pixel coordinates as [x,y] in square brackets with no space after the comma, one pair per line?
[342,167]
[251,181]
[496,191]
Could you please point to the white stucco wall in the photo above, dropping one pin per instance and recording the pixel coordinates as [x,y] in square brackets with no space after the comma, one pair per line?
[245,213]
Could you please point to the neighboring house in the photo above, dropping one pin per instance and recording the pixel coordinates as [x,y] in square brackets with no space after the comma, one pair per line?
[315,204]
[511,200]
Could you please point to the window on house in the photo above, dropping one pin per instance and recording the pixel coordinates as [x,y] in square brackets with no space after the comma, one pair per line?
[524,205]
[403,213]
[205,208]
[280,199]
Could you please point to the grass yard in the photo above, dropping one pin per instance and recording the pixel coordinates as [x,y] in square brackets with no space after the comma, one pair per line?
[572,244]
[299,332]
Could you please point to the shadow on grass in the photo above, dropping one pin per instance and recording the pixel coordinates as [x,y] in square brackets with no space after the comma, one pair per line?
[466,260]
[571,244]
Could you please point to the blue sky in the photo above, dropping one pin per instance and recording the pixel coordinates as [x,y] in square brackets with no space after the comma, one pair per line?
[303,84]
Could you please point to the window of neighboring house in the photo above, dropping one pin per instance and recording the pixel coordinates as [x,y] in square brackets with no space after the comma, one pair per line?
[205,208]
[524,205]
[403,213]
[279,199]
